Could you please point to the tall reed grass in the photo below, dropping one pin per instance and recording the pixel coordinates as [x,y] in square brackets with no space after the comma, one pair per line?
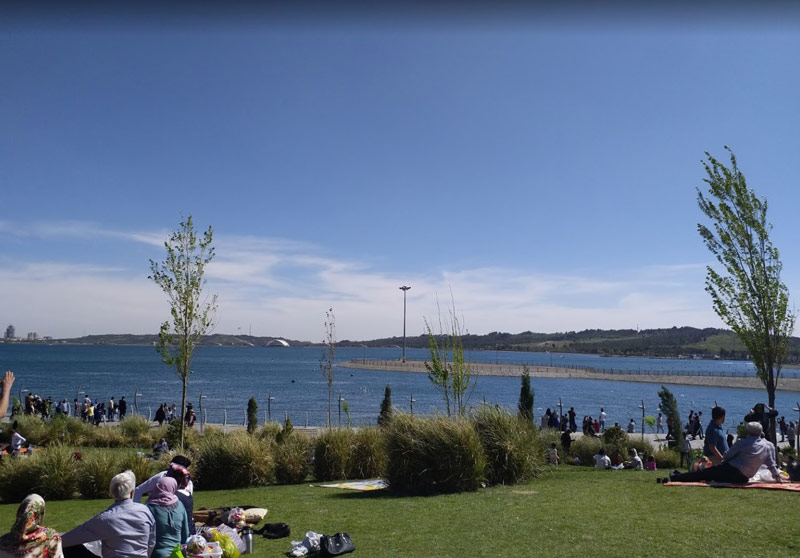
[430,455]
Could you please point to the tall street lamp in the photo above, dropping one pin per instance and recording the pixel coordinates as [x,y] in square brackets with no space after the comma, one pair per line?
[404,289]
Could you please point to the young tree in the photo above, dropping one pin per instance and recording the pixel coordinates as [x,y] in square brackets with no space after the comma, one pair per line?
[448,370]
[386,407]
[525,404]
[328,357]
[252,415]
[748,295]
[180,276]
[669,406]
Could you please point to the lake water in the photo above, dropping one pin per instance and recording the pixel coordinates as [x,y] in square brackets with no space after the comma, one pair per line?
[227,377]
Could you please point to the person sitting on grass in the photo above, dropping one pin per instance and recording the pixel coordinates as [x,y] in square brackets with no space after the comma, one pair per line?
[28,539]
[179,470]
[601,460]
[740,463]
[650,463]
[552,454]
[172,523]
[159,448]
[18,441]
[126,529]
[716,444]
[635,462]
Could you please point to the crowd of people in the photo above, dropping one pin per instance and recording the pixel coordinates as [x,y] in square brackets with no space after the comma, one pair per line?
[126,529]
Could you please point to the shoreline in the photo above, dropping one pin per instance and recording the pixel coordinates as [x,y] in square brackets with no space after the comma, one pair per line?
[515,370]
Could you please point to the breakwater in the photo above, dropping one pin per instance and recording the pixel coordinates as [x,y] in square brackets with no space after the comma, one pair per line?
[732,380]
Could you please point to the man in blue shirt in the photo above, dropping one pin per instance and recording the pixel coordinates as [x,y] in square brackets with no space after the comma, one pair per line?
[716,444]
[126,529]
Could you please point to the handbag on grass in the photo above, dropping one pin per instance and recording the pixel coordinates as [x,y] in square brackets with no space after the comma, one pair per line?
[335,545]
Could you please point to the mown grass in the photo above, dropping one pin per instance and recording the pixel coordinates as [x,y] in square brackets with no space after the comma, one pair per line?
[568,511]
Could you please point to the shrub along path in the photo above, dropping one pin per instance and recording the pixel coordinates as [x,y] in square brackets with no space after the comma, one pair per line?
[570,511]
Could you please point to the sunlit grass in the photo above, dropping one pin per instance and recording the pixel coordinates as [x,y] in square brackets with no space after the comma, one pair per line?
[569,511]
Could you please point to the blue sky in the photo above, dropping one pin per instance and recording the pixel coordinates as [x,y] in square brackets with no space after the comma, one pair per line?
[541,166]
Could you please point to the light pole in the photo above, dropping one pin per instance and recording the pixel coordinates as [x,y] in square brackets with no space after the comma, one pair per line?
[270,399]
[202,415]
[642,408]
[405,289]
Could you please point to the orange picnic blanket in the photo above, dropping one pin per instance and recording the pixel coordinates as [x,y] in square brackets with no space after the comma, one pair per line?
[790,486]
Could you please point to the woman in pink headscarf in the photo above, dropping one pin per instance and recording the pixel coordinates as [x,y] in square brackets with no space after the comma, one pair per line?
[172,523]
[28,539]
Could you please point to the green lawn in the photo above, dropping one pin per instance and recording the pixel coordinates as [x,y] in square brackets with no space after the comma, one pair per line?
[571,511]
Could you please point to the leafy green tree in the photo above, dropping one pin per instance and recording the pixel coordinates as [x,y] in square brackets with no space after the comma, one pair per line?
[329,357]
[386,407]
[448,369]
[180,276]
[669,406]
[525,404]
[252,415]
[748,295]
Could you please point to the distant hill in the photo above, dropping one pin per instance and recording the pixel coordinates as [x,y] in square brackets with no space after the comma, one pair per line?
[669,342]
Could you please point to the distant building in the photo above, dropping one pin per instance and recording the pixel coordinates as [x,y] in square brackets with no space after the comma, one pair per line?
[33,336]
[11,333]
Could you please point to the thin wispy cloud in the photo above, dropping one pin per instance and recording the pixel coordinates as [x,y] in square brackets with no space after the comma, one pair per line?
[274,286]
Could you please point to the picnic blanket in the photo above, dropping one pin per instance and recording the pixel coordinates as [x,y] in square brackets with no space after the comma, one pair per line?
[365,485]
[790,486]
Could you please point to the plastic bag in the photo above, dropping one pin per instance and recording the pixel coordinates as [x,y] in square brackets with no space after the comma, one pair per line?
[229,548]
[177,552]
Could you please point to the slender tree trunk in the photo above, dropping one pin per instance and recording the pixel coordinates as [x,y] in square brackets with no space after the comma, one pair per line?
[183,410]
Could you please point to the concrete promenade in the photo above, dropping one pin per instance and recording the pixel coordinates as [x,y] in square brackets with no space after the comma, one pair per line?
[515,370]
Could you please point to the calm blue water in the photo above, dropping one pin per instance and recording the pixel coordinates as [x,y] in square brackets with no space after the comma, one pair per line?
[227,377]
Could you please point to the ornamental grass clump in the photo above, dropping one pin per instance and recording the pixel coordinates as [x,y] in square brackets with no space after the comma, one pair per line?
[110,438]
[433,455]
[34,429]
[136,430]
[71,431]
[367,454]
[56,473]
[17,479]
[292,458]
[236,460]
[332,454]
[140,465]
[514,452]
[616,442]
[667,459]
[585,448]
[95,473]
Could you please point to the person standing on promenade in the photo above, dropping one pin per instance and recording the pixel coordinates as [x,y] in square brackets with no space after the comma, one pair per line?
[8,381]
[791,433]
[123,407]
[716,444]
[742,461]
[660,424]
[602,420]
[112,408]
[573,426]
[782,427]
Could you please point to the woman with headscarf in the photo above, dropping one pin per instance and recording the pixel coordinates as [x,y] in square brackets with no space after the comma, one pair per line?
[28,539]
[172,523]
